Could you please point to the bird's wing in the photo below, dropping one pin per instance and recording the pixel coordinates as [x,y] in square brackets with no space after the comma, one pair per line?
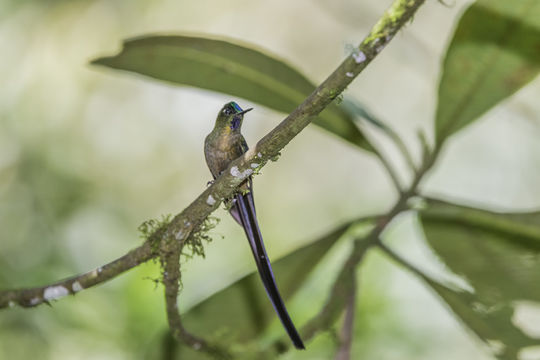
[244,210]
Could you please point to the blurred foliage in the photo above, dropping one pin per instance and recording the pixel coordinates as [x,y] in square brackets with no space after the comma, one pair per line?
[499,256]
[38,196]
[495,51]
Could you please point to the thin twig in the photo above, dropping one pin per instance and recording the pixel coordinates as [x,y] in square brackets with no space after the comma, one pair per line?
[170,256]
[434,284]
[388,131]
[397,258]
[400,144]
[397,140]
[341,289]
[389,169]
[404,151]
[347,330]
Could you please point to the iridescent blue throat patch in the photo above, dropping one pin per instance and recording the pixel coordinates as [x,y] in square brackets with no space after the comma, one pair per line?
[235,122]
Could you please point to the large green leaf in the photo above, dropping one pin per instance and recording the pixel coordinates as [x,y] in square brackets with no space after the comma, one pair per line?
[498,254]
[495,51]
[228,68]
[242,311]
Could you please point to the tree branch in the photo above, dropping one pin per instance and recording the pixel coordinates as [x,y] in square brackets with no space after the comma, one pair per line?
[70,286]
[347,330]
[170,257]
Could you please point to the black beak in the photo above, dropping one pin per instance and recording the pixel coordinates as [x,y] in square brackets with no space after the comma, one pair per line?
[244,111]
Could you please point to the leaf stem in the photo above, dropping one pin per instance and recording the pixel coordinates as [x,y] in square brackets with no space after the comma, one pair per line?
[401,261]
[389,169]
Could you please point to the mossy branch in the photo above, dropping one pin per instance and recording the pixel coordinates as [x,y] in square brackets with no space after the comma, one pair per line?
[170,259]
[44,294]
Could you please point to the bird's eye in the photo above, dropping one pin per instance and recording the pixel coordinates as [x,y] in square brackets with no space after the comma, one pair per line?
[227,111]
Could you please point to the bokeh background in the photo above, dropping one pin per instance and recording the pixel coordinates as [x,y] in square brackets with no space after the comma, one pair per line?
[87,154]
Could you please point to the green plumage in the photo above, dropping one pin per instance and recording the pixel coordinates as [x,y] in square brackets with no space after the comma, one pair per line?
[225,143]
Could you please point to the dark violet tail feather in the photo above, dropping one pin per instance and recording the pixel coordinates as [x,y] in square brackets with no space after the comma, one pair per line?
[244,210]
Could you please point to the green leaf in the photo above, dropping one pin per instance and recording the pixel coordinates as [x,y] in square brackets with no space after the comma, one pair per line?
[498,254]
[242,311]
[495,51]
[232,69]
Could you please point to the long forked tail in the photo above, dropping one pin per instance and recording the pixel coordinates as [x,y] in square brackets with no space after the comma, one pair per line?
[246,214]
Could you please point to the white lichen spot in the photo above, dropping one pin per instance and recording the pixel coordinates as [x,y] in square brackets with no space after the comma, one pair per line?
[235,172]
[359,57]
[254,165]
[76,286]
[12,304]
[240,174]
[197,346]
[210,201]
[55,292]
[34,301]
[349,74]
[99,270]
[179,235]
[259,155]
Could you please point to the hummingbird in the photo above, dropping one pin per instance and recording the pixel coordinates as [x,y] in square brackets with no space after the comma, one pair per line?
[224,144]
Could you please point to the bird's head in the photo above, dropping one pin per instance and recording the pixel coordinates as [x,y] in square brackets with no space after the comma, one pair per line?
[231,116]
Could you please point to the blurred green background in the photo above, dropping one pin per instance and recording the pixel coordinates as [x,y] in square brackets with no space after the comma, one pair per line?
[87,154]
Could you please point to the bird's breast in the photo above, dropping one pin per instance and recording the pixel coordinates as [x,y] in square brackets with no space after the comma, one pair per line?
[219,152]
